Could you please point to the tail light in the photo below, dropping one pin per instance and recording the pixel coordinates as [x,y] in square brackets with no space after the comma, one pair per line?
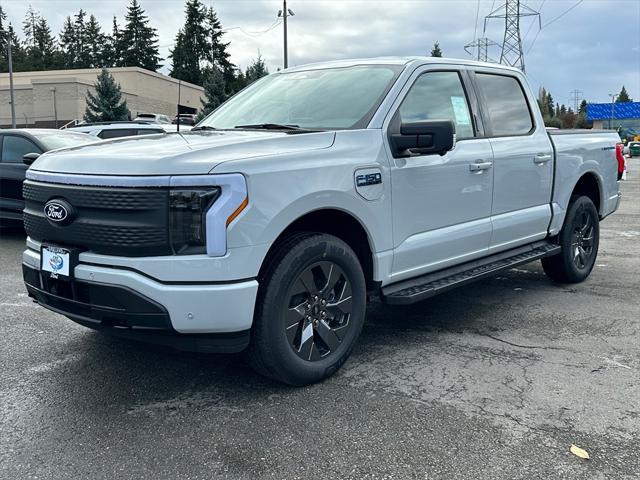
[620,158]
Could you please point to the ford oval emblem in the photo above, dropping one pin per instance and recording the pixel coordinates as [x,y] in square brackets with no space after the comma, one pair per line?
[59,212]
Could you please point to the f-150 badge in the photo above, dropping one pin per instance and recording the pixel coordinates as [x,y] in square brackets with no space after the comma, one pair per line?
[369,183]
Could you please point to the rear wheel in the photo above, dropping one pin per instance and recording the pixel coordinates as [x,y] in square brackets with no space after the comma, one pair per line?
[310,309]
[579,239]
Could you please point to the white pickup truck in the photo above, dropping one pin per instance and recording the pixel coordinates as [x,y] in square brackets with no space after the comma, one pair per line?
[270,224]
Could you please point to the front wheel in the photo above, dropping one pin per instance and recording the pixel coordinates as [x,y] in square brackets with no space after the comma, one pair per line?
[310,309]
[579,239]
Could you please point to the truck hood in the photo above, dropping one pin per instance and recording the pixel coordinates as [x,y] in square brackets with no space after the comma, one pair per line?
[190,153]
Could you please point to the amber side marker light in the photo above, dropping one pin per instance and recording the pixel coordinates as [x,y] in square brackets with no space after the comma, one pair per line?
[238,210]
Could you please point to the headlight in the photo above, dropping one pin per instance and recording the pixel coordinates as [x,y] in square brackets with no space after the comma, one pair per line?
[187,218]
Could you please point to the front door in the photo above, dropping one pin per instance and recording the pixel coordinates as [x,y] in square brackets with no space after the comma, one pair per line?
[441,204]
[12,172]
[522,163]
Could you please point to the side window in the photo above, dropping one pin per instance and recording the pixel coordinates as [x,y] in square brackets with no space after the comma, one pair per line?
[507,105]
[148,131]
[117,133]
[438,96]
[14,148]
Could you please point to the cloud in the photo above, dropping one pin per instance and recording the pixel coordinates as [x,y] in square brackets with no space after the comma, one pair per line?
[594,48]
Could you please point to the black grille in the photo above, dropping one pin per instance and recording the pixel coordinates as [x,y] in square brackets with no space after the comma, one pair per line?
[109,220]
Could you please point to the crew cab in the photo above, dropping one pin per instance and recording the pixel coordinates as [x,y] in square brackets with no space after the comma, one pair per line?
[270,224]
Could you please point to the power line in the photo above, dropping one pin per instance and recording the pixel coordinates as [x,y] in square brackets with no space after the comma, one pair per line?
[563,13]
[552,21]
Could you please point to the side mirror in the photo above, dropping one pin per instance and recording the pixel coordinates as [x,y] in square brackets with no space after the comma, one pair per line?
[29,158]
[424,138]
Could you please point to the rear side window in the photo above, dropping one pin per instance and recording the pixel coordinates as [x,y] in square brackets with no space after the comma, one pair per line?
[438,96]
[507,105]
[14,148]
[117,132]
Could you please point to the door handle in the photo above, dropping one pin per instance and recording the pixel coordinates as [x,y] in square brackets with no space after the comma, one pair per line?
[541,158]
[479,165]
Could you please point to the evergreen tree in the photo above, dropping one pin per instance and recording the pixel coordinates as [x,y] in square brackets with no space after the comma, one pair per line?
[139,40]
[83,59]
[45,54]
[218,55]
[68,43]
[581,119]
[111,53]
[215,91]
[31,19]
[199,47]
[435,51]
[623,96]
[94,43]
[17,52]
[256,70]
[192,47]
[107,104]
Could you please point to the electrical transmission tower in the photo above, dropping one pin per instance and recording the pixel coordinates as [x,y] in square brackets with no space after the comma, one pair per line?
[482,46]
[576,97]
[512,11]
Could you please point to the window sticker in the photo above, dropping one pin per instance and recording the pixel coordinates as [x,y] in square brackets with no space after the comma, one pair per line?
[460,110]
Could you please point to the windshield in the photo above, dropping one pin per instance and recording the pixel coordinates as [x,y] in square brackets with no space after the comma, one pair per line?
[63,139]
[328,99]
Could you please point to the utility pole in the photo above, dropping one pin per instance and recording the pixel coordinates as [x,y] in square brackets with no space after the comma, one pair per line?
[284,13]
[55,106]
[4,34]
[613,104]
[576,98]
[512,11]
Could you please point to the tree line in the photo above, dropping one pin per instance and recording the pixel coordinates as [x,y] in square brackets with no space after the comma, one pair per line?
[199,54]
[560,116]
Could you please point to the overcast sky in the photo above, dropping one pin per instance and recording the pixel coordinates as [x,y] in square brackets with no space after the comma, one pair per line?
[595,47]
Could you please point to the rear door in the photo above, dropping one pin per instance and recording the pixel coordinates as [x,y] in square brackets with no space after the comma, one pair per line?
[441,204]
[522,160]
[12,172]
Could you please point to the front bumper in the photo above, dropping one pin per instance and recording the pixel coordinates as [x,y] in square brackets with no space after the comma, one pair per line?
[194,316]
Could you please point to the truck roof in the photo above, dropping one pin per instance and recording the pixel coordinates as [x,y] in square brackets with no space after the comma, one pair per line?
[418,60]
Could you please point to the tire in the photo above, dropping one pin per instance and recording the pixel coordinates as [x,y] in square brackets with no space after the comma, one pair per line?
[310,309]
[579,239]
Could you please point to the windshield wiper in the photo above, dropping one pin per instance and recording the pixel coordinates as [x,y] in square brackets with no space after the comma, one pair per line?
[202,127]
[271,126]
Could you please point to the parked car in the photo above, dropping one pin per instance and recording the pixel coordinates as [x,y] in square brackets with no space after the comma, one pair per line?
[14,146]
[270,224]
[185,119]
[106,130]
[153,117]
[634,149]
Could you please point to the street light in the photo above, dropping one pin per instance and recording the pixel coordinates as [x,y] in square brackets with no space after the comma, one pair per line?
[5,35]
[613,98]
[284,13]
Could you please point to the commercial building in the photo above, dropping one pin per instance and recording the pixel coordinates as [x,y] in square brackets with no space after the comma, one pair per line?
[56,97]
[624,117]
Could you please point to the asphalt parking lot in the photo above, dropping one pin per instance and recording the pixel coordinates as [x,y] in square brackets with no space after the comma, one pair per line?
[492,381]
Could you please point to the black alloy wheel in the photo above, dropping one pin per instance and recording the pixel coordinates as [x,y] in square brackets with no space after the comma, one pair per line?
[318,311]
[582,238]
[310,309]
[579,239]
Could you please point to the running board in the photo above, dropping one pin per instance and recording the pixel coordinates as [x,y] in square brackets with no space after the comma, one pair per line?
[425,286]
